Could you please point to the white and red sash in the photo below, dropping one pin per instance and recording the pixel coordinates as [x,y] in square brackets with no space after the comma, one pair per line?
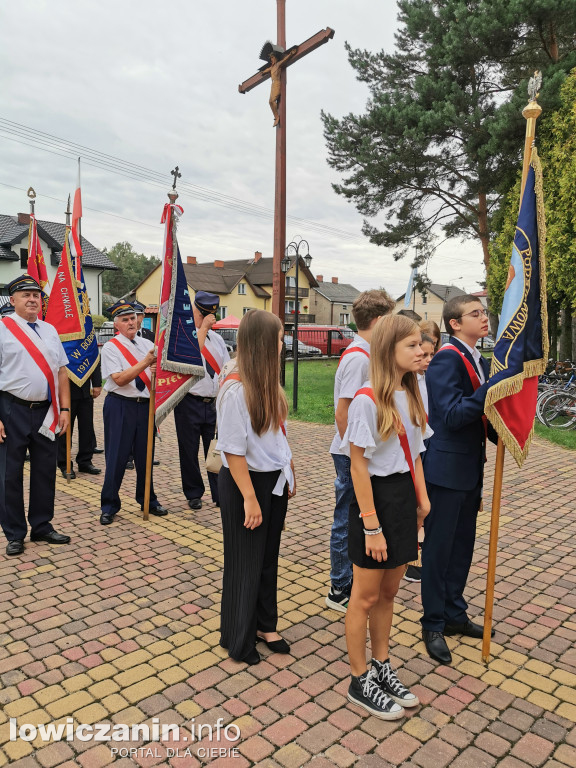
[35,347]
[129,357]
[210,359]
[474,379]
[349,350]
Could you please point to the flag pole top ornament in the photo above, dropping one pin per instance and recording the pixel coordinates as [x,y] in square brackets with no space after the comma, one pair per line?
[173,194]
[68,212]
[533,109]
[32,195]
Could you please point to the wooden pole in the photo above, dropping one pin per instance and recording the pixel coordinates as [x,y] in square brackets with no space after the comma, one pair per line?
[531,113]
[69,452]
[278,289]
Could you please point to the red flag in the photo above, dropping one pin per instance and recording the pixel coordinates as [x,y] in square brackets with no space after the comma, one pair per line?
[36,266]
[64,311]
[179,362]
[76,245]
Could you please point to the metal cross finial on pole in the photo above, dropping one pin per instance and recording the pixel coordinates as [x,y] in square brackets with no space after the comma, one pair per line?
[32,195]
[68,212]
[176,176]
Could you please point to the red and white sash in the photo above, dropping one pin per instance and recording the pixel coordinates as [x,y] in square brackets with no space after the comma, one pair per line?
[129,357]
[475,380]
[349,350]
[36,348]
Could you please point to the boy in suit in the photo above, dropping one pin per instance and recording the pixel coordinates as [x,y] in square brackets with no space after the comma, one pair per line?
[456,381]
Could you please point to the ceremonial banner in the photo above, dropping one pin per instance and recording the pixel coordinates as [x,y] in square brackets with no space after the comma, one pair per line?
[64,311]
[179,360]
[36,266]
[82,353]
[521,348]
[76,246]
[410,288]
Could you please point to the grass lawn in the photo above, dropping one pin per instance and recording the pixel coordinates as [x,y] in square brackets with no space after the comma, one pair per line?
[315,390]
[564,437]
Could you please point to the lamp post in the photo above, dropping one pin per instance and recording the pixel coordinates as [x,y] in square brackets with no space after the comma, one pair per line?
[297,249]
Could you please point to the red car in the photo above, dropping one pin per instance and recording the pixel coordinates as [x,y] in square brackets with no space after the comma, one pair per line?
[329,339]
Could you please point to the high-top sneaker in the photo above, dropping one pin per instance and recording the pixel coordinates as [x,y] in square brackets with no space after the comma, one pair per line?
[366,692]
[391,686]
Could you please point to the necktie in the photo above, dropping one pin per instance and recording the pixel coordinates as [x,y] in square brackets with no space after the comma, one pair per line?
[140,386]
[35,329]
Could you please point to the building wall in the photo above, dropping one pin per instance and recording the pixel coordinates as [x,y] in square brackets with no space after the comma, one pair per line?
[429,310]
[328,313]
[93,277]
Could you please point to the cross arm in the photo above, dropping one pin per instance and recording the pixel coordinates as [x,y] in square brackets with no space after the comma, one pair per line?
[303,50]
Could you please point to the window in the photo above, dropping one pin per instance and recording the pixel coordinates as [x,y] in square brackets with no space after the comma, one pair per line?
[223,312]
[290,282]
[344,306]
[425,315]
[290,306]
[344,318]
[242,290]
[246,309]
[424,298]
[24,257]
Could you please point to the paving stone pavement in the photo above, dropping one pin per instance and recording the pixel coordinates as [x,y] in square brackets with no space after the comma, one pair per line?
[121,627]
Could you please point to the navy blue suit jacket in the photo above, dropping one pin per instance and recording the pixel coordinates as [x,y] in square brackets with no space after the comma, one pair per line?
[455,454]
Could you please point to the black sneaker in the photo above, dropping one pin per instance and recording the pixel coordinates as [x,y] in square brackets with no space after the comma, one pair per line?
[413,573]
[392,687]
[338,599]
[366,692]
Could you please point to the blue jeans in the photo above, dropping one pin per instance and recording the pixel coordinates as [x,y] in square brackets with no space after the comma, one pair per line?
[341,573]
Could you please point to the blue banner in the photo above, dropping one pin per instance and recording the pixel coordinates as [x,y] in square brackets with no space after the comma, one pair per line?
[82,353]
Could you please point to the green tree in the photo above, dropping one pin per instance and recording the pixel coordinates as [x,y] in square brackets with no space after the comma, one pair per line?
[132,269]
[441,138]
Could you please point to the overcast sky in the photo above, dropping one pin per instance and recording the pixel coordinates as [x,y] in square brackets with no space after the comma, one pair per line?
[157,85]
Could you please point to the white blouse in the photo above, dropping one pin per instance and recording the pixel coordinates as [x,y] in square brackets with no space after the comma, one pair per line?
[266,453]
[423,390]
[385,457]
[351,373]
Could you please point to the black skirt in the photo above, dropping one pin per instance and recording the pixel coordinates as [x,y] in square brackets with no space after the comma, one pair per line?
[395,503]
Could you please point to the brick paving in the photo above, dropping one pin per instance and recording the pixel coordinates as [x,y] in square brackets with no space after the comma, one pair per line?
[121,627]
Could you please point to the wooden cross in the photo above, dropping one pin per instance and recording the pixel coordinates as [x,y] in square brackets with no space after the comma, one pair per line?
[280,184]
[176,176]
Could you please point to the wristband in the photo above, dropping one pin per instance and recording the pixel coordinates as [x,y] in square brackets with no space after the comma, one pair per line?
[367,514]
[64,409]
[374,532]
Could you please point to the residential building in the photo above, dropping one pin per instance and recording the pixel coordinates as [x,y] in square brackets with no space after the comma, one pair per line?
[429,302]
[331,302]
[242,284]
[14,255]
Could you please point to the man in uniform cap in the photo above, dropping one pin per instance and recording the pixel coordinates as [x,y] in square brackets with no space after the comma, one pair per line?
[6,309]
[127,363]
[144,332]
[195,414]
[34,406]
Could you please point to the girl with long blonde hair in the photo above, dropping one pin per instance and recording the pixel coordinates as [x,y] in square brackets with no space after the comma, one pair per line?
[385,436]
[254,485]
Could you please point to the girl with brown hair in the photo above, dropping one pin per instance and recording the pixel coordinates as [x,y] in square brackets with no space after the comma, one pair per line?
[431,329]
[385,435]
[254,484]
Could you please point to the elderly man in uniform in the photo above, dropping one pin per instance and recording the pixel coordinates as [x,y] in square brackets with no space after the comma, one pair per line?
[34,406]
[195,415]
[127,363]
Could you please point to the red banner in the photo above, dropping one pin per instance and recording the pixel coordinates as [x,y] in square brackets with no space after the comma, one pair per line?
[36,266]
[63,306]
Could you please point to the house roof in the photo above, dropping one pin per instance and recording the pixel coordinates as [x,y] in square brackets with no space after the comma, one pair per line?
[338,292]
[11,233]
[444,292]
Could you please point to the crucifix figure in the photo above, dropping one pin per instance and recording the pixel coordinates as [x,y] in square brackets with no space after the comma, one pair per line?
[278,59]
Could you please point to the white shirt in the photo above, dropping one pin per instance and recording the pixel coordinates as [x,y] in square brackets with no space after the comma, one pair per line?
[476,355]
[421,377]
[19,374]
[266,453]
[384,457]
[352,372]
[113,361]
[208,387]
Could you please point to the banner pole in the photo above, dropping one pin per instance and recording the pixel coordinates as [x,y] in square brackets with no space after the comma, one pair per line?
[68,453]
[531,113]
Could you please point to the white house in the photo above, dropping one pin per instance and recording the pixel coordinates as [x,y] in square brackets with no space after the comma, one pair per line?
[14,255]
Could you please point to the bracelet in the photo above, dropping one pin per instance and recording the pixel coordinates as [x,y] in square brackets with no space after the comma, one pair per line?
[64,409]
[372,532]
[367,514]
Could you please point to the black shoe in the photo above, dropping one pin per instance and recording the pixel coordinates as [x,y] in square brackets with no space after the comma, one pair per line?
[98,450]
[65,476]
[392,687]
[106,519]
[159,511]
[52,537]
[365,692]
[469,628]
[436,646]
[276,646]
[156,462]
[253,657]
[15,547]
[413,573]
[89,468]
[195,503]
[129,465]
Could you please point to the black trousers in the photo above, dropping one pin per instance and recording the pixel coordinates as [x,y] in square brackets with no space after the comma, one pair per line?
[21,425]
[249,589]
[450,533]
[83,410]
[125,429]
[195,420]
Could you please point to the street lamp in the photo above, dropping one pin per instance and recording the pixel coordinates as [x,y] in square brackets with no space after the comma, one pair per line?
[296,249]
